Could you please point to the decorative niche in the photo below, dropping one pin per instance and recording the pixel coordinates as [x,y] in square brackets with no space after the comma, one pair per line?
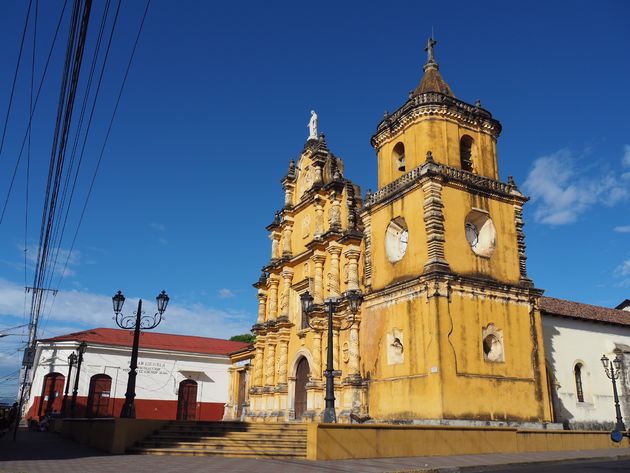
[480,233]
[396,238]
[395,347]
[492,342]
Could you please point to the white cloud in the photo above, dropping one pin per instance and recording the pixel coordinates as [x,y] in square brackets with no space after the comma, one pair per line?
[622,229]
[625,160]
[157,226]
[562,189]
[81,310]
[226,293]
[624,268]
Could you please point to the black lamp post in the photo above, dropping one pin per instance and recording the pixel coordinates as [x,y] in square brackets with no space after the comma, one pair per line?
[137,321]
[73,403]
[72,359]
[354,299]
[613,370]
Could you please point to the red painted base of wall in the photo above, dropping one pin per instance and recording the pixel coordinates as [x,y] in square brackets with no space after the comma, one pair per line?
[145,409]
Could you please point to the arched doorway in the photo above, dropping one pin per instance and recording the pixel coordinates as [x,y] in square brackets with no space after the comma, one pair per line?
[301,378]
[99,395]
[187,400]
[52,397]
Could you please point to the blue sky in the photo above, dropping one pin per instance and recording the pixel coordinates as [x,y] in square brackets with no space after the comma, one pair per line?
[217,103]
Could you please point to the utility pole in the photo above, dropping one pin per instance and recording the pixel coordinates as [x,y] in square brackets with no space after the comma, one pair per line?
[29,352]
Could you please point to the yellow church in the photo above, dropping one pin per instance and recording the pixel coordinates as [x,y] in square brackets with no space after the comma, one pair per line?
[448,326]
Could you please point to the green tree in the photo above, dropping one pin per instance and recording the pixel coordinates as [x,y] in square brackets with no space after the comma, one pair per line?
[244,337]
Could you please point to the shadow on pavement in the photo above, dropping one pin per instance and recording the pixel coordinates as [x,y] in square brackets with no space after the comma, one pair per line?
[32,445]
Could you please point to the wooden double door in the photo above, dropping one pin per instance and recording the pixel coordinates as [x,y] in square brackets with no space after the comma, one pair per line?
[99,396]
[301,378]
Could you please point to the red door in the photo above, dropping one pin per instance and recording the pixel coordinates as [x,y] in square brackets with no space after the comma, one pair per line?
[187,400]
[301,378]
[99,395]
[52,394]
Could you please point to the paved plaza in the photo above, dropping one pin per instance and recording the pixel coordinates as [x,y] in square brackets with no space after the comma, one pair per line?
[39,452]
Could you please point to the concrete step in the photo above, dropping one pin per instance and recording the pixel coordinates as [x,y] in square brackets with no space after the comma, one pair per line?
[229,439]
[214,452]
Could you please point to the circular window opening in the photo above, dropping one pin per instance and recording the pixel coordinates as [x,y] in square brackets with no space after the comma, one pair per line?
[396,238]
[492,349]
[480,233]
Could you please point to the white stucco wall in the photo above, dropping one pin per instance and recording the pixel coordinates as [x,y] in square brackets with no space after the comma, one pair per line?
[569,341]
[159,371]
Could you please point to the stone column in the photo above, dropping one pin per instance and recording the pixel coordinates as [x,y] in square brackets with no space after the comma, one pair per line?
[318,285]
[333,276]
[275,245]
[287,276]
[353,351]
[288,195]
[258,363]
[367,232]
[286,237]
[316,369]
[434,225]
[262,306]
[319,217]
[334,215]
[270,365]
[283,352]
[352,254]
[272,306]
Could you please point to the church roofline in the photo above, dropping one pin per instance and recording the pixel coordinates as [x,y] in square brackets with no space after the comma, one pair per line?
[434,103]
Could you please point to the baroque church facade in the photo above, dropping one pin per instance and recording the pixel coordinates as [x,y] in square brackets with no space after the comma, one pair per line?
[449,326]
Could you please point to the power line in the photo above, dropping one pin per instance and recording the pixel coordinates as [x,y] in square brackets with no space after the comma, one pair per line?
[30,119]
[17,68]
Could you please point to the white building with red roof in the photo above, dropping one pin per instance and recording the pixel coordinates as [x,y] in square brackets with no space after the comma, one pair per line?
[179,376]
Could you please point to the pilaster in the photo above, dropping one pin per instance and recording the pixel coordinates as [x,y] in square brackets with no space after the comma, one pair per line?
[434,225]
[352,254]
[318,284]
[333,276]
[272,306]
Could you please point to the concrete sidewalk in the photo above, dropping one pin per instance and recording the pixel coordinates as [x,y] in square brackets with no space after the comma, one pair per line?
[35,452]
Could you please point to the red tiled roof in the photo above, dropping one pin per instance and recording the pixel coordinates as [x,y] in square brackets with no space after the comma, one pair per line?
[160,341]
[577,310]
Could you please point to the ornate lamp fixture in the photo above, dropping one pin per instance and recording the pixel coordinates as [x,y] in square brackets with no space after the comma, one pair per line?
[613,371]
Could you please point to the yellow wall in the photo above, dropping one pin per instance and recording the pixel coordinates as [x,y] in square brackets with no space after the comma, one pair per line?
[339,441]
[440,136]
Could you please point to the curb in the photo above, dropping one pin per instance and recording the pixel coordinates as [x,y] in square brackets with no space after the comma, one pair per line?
[502,466]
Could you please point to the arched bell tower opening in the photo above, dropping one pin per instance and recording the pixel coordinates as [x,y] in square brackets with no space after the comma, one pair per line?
[465,153]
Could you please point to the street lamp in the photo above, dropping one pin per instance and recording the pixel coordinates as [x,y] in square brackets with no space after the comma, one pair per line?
[75,390]
[137,321]
[613,370]
[72,359]
[353,299]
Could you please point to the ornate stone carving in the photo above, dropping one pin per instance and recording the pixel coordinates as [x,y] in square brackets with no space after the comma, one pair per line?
[286,238]
[334,214]
[482,184]
[312,126]
[353,351]
[367,238]
[434,225]
[272,305]
[275,245]
[316,369]
[395,347]
[282,361]
[318,284]
[319,216]
[262,306]
[258,364]
[333,276]
[287,276]
[306,226]
[520,243]
[270,364]
[352,254]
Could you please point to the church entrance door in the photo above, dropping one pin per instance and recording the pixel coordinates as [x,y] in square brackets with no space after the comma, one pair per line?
[99,395]
[187,400]
[301,378]
[242,387]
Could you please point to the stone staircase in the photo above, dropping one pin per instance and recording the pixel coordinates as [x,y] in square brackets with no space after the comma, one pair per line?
[226,439]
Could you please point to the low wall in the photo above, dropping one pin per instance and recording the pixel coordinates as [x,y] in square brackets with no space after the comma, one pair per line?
[110,435]
[344,441]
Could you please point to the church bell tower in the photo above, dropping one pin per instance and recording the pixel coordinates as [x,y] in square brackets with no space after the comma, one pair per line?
[451,327]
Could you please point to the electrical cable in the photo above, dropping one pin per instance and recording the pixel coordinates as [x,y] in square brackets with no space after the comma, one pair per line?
[17,68]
